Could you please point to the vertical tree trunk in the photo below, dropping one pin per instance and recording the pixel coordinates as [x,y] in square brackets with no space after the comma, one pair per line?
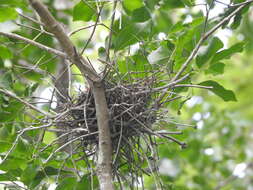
[104,165]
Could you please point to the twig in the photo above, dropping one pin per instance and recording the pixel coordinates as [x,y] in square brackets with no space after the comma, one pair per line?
[119,144]
[11,94]
[39,45]
[35,128]
[171,84]
[110,34]
[207,15]
[168,100]
[9,186]
[182,144]
[93,30]
[205,37]
[66,144]
[164,132]
[191,85]
[54,27]
[33,28]
[106,70]
[86,27]
[30,67]
[61,136]
[18,136]
[31,19]
[242,3]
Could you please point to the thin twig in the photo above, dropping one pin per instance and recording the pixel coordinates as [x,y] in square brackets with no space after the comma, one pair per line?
[110,34]
[171,84]
[86,27]
[33,28]
[205,37]
[31,19]
[14,144]
[68,47]
[11,94]
[93,31]
[242,3]
[67,143]
[39,45]
[191,85]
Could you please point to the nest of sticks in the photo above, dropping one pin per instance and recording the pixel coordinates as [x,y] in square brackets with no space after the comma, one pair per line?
[129,112]
[132,115]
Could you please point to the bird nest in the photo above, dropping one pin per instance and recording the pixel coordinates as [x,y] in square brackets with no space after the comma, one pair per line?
[132,113]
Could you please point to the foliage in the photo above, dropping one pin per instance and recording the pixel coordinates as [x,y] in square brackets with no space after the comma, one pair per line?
[143,37]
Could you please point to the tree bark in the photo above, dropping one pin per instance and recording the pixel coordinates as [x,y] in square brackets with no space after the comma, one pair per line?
[104,165]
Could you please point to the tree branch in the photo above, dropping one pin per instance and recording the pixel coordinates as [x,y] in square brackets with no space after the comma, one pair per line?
[54,27]
[11,94]
[32,42]
[205,37]
[192,86]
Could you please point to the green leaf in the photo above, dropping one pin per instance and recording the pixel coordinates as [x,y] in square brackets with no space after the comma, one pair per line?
[29,174]
[22,149]
[5,53]
[132,4]
[214,46]
[83,12]
[6,80]
[136,63]
[188,3]
[226,95]
[11,111]
[7,177]
[86,182]
[158,55]
[12,2]
[179,26]
[227,53]
[44,173]
[238,17]
[30,89]
[236,21]
[130,35]
[102,53]
[141,15]
[216,69]
[67,184]
[1,63]
[162,21]
[7,13]
[185,42]
[170,4]
[4,136]
[13,163]
[4,145]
